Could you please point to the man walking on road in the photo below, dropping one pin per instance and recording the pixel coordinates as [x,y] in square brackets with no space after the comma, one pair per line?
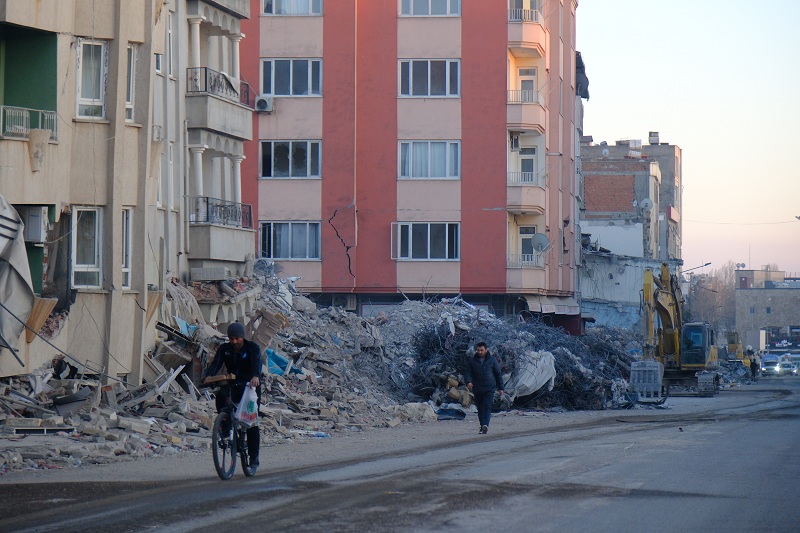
[754,367]
[483,378]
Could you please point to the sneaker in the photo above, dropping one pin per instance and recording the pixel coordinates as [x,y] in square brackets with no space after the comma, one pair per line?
[254,463]
[484,429]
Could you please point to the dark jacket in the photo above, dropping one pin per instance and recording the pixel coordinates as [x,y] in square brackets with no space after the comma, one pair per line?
[484,375]
[246,364]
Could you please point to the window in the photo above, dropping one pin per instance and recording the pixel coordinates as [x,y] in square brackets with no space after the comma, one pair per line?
[169,44]
[291,77]
[435,77]
[293,7]
[769,310]
[422,8]
[526,246]
[159,61]
[528,165]
[290,240]
[426,241]
[429,159]
[92,71]
[86,244]
[127,216]
[130,86]
[290,159]
[527,85]
[752,310]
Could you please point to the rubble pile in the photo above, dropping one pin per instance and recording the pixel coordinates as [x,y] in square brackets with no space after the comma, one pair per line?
[325,370]
[444,335]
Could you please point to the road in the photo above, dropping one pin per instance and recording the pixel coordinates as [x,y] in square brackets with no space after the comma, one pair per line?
[728,463]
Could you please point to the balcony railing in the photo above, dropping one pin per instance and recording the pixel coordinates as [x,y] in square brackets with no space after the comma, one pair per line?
[208,81]
[525,96]
[525,260]
[525,15]
[205,210]
[17,122]
[532,179]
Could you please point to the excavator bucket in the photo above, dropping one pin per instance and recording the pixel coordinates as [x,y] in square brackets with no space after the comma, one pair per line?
[646,381]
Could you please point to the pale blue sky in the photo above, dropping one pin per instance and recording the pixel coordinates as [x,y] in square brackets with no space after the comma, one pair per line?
[720,79]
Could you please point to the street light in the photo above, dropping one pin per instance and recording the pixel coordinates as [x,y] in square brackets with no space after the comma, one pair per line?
[695,268]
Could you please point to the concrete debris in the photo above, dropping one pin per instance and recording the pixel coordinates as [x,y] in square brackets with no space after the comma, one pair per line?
[325,371]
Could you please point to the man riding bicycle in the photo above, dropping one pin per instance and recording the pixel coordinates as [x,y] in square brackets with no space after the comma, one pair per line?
[242,358]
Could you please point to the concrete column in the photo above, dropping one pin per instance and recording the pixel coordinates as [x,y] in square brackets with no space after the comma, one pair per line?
[197,169]
[236,160]
[194,43]
[235,39]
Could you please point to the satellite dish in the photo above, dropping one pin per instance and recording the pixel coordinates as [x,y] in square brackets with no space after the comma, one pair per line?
[540,242]
[647,204]
[604,152]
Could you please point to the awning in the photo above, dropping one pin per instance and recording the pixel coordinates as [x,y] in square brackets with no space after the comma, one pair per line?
[553,304]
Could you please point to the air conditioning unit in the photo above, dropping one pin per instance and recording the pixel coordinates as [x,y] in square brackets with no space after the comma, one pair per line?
[264,104]
[158,133]
[348,301]
[36,223]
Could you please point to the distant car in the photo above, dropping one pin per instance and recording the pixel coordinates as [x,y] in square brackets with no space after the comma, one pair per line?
[788,369]
[770,367]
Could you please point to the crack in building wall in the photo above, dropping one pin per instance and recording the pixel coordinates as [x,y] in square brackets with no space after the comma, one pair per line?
[346,246]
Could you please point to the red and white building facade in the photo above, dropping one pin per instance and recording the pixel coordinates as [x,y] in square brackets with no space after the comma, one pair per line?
[417,147]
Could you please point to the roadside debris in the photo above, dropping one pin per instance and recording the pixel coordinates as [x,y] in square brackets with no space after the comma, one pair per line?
[326,370]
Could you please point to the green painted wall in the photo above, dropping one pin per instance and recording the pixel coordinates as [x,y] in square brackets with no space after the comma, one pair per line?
[29,68]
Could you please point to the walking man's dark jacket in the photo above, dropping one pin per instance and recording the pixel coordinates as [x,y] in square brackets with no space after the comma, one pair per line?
[484,375]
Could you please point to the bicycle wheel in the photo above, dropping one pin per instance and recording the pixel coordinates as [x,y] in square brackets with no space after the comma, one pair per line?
[223,446]
[248,470]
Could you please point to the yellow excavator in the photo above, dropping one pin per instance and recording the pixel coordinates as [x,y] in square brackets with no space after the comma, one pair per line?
[675,353]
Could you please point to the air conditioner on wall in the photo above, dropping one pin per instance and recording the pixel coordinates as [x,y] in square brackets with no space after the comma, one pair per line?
[264,103]
[36,223]
[348,301]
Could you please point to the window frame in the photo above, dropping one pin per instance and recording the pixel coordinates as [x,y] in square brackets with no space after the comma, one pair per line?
[412,3]
[403,246]
[91,103]
[310,83]
[130,85]
[408,72]
[294,12]
[96,266]
[310,166]
[267,239]
[126,243]
[408,160]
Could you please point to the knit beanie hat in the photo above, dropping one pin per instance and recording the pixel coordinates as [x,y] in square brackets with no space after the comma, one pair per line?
[236,330]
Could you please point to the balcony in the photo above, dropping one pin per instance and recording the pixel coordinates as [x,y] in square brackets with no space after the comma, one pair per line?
[240,8]
[217,102]
[527,36]
[525,193]
[219,230]
[525,261]
[524,112]
[205,210]
[17,122]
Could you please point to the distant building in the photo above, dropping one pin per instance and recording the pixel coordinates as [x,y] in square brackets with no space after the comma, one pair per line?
[767,301]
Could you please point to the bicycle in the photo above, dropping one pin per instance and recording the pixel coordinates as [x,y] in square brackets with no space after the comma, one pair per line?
[229,438]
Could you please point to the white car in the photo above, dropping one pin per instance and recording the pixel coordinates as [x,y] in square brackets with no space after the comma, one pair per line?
[788,369]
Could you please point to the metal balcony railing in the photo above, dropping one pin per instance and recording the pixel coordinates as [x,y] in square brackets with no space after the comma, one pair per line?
[525,260]
[525,96]
[525,15]
[532,179]
[205,210]
[208,81]
[17,122]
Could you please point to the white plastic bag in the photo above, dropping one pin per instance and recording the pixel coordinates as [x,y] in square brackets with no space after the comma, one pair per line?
[247,411]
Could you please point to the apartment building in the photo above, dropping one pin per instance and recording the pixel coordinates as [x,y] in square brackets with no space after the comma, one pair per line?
[667,206]
[121,135]
[767,307]
[419,147]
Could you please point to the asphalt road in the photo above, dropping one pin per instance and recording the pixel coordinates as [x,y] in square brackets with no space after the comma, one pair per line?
[728,463]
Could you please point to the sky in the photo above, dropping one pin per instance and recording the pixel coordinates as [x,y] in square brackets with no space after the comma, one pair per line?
[721,80]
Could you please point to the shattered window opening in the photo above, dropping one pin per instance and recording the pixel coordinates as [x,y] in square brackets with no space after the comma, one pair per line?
[290,159]
[291,77]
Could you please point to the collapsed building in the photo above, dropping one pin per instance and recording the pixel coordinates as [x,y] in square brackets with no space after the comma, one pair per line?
[326,370]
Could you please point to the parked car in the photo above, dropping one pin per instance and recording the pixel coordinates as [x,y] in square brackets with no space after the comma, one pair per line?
[788,369]
[770,367]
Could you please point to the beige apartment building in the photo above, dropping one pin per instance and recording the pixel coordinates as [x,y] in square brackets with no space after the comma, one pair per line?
[121,131]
